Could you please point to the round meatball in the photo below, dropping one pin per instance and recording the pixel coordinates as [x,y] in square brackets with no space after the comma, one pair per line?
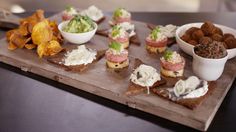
[205,40]
[193,42]
[225,45]
[191,30]
[196,35]
[186,37]
[217,37]
[218,31]
[230,42]
[208,28]
[227,35]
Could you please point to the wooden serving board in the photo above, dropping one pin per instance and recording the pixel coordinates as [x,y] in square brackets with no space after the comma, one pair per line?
[107,83]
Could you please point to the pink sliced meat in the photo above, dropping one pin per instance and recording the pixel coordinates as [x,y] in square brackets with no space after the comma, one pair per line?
[119,39]
[117,58]
[172,67]
[152,43]
[66,17]
[122,19]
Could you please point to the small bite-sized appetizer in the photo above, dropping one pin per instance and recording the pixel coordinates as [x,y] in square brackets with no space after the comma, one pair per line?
[78,59]
[172,64]
[156,42]
[117,56]
[69,13]
[119,35]
[94,13]
[143,78]
[189,93]
[120,15]
[128,27]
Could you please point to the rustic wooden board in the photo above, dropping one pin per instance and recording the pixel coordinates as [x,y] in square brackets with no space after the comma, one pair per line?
[103,82]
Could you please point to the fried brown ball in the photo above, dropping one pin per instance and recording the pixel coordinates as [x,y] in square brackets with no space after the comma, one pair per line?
[205,40]
[186,37]
[227,35]
[217,37]
[197,34]
[225,45]
[218,31]
[230,42]
[208,28]
[193,42]
[191,30]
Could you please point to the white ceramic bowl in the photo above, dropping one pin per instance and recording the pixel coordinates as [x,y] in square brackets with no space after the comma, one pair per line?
[187,48]
[76,38]
[208,69]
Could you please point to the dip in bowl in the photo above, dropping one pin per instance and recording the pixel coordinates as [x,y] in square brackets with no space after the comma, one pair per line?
[78,30]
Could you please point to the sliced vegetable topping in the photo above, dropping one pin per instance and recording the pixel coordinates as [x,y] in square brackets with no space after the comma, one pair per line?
[115,31]
[117,13]
[69,8]
[115,46]
[168,55]
[154,33]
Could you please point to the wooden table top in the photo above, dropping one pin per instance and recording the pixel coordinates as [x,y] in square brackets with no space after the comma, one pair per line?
[32,103]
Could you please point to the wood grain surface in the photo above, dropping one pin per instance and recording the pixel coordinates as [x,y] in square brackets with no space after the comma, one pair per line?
[110,84]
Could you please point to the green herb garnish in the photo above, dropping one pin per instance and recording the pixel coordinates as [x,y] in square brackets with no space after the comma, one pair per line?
[115,46]
[69,8]
[168,55]
[117,13]
[115,31]
[154,33]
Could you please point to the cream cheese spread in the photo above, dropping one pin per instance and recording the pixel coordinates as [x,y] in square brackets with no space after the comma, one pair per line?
[79,56]
[145,76]
[190,88]
[168,30]
[93,12]
[128,27]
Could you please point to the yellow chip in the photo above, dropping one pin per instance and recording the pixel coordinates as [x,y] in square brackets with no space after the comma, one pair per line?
[53,48]
[41,49]
[30,46]
[42,32]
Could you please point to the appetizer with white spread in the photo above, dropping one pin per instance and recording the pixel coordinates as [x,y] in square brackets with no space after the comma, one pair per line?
[156,41]
[120,15]
[172,64]
[94,13]
[119,35]
[117,56]
[69,13]
[128,27]
[80,56]
[168,30]
[145,76]
[190,88]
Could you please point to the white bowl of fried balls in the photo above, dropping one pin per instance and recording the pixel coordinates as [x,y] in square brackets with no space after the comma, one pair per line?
[190,35]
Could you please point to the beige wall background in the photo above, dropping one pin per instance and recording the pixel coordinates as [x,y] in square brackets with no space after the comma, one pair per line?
[110,5]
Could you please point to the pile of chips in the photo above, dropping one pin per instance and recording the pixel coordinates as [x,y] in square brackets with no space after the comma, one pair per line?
[36,32]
